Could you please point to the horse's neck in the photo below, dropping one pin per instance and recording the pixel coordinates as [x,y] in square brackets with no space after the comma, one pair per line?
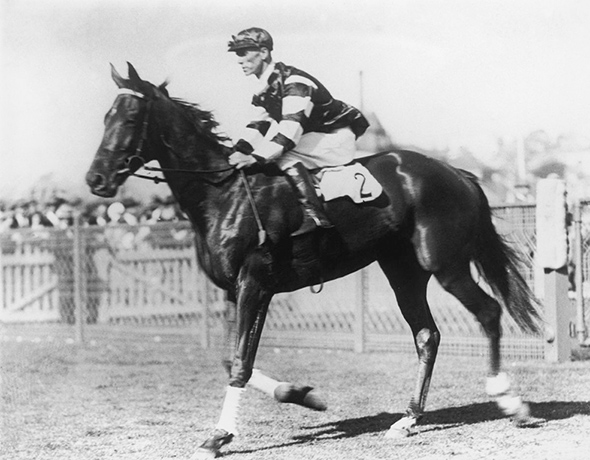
[183,147]
[203,196]
[206,187]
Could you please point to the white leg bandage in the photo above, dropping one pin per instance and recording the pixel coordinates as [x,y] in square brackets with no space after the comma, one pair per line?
[263,383]
[498,385]
[229,412]
[506,399]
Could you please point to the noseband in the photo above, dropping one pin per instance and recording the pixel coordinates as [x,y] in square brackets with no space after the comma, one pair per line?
[132,162]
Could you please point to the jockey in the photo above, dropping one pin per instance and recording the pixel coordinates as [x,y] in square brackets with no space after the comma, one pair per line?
[296,124]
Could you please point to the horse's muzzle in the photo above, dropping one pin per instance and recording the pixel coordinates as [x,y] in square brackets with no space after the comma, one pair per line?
[99,185]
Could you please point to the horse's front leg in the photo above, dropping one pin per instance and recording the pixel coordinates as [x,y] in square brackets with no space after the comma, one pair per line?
[281,391]
[252,306]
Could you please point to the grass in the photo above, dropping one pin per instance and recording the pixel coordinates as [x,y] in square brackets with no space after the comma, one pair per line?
[149,395]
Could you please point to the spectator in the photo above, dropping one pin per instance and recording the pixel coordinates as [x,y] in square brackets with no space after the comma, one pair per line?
[19,218]
[6,218]
[96,215]
[65,213]
[50,214]
[37,218]
[117,214]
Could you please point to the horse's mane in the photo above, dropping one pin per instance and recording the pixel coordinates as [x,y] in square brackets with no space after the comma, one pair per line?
[202,119]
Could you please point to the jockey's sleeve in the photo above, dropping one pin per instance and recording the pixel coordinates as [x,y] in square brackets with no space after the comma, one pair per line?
[255,130]
[296,107]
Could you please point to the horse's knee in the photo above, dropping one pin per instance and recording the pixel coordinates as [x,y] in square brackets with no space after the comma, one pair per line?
[239,374]
[427,342]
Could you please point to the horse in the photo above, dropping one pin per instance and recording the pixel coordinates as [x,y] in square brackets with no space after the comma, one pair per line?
[431,220]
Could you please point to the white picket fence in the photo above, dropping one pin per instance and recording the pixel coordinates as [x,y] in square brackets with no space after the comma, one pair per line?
[29,285]
[43,278]
[154,282]
[150,275]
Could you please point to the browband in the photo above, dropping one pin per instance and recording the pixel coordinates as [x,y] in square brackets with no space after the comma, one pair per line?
[130,91]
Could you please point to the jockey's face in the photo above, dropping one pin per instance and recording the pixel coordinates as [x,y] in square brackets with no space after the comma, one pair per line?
[253,61]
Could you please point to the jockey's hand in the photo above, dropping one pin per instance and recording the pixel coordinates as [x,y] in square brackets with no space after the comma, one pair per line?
[241,160]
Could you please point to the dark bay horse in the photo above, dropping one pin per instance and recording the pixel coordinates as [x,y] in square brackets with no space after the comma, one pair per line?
[430,220]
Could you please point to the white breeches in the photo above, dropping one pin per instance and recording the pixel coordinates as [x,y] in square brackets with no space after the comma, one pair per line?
[319,150]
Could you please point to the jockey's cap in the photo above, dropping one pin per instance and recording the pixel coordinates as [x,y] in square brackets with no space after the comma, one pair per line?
[253,37]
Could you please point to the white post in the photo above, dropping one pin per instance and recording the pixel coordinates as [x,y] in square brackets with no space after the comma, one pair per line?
[552,244]
[579,275]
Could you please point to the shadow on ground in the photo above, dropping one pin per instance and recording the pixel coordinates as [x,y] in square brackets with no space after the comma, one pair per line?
[433,421]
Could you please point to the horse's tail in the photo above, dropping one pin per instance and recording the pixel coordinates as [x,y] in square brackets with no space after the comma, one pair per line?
[498,264]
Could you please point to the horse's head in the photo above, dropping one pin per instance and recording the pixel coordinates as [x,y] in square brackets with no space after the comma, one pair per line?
[123,149]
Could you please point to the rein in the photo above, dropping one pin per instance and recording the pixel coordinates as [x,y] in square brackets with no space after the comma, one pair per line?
[157,180]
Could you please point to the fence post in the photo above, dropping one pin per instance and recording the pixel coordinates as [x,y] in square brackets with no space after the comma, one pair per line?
[579,273]
[361,307]
[205,332]
[552,244]
[78,284]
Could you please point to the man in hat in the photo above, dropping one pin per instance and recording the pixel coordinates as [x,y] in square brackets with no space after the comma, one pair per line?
[297,124]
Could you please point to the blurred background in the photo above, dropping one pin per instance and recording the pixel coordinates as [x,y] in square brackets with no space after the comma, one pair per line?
[499,88]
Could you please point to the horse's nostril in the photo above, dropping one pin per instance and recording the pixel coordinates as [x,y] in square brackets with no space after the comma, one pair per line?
[97,181]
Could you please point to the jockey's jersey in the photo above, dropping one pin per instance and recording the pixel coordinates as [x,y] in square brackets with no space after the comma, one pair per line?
[299,104]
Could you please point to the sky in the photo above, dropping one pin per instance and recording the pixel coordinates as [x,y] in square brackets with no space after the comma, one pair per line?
[436,73]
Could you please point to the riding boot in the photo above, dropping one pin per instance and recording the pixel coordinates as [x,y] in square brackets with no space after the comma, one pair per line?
[313,211]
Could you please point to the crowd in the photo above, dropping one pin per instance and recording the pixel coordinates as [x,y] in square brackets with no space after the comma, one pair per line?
[61,213]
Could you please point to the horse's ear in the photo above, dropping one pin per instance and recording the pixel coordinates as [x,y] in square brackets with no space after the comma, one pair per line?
[133,75]
[118,79]
[163,86]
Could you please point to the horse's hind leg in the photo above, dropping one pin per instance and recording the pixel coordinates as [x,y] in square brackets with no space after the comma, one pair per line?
[409,281]
[488,312]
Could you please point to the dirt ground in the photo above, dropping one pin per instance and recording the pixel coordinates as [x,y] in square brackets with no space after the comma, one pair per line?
[147,394]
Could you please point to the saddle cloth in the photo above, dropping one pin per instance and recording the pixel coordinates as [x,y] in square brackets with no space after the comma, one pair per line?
[354,181]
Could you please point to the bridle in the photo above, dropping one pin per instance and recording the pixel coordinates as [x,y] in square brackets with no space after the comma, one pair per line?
[131,164]
[131,168]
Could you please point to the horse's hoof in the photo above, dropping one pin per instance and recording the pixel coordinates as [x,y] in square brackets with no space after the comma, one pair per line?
[212,445]
[401,429]
[303,396]
[397,433]
[522,416]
